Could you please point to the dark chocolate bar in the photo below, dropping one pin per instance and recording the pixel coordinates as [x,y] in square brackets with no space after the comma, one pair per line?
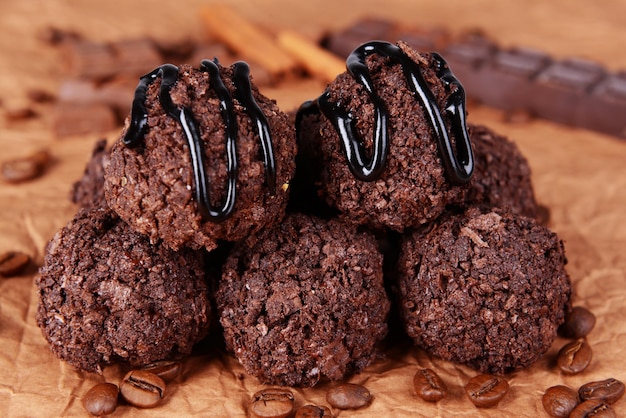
[572,91]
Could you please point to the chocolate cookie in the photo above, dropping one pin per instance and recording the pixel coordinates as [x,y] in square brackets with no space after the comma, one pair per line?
[88,191]
[502,176]
[486,288]
[107,295]
[304,301]
[388,139]
[204,157]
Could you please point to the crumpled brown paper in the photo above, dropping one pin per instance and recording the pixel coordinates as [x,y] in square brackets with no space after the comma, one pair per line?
[579,175]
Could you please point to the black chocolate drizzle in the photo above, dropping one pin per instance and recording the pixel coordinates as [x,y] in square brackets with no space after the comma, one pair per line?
[243,92]
[458,166]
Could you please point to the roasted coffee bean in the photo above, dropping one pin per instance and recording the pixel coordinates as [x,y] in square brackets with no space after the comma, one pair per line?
[593,408]
[101,399]
[13,263]
[429,386]
[143,389]
[313,411]
[609,390]
[272,403]
[578,323]
[559,401]
[25,168]
[485,390]
[574,357]
[349,396]
[167,370]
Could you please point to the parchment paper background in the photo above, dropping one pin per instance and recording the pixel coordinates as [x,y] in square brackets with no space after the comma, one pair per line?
[580,175]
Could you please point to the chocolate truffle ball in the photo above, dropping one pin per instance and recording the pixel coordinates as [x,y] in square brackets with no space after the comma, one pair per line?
[502,176]
[88,191]
[486,288]
[414,183]
[304,301]
[204,157]
[107,295]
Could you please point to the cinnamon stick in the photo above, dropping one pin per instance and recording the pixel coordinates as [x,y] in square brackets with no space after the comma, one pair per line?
[317,61]
[246,39]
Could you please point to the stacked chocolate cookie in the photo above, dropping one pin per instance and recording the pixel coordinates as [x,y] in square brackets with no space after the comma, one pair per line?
[381,169]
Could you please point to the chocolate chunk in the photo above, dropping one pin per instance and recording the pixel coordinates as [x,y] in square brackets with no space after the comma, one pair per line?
[506,77]
[604,108]
[135,57]
[344,42]
[559,91]
[78,119]
[88,59]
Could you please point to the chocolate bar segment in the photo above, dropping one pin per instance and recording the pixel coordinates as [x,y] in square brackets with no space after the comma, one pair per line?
[505,80]
[572,91]
[604,109]
[344,42]
[466,57]
[559,92]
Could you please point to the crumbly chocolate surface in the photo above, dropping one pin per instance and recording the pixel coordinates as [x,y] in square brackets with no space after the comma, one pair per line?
[486,288]
[413,188]
[107,295]
[151,187]
[88,191]
[502,176]
[304,301]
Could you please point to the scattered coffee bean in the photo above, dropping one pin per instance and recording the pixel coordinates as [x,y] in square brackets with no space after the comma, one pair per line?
[559,401]
[313,411]
[19,114]
[429,386]
[25,168]
[578,323]
[13,263]
[349,396]
[40,96]
[609,390]
[167,370]
[272,403]
[485,390]
[574,357]
[143,389]
[593,408]
[101,399]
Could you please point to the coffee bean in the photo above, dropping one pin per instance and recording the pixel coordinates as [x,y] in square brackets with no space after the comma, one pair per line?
[574,357]
[272,403]
[609,390]
[25,168]
[595,408]
[349,396]
[143,389]
[485,390]
[429,386]
[101,399]
[313,411]
[559,401]
[167,370]
[13,263]
[578,323]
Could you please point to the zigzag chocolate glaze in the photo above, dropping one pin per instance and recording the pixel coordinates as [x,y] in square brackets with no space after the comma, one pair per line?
[243,92]
[459,166]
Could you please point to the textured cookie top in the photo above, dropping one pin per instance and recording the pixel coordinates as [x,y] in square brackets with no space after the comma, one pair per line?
[304,301]
[486,288]
[154,183]
[502,176]
[413,186]
[107,294]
